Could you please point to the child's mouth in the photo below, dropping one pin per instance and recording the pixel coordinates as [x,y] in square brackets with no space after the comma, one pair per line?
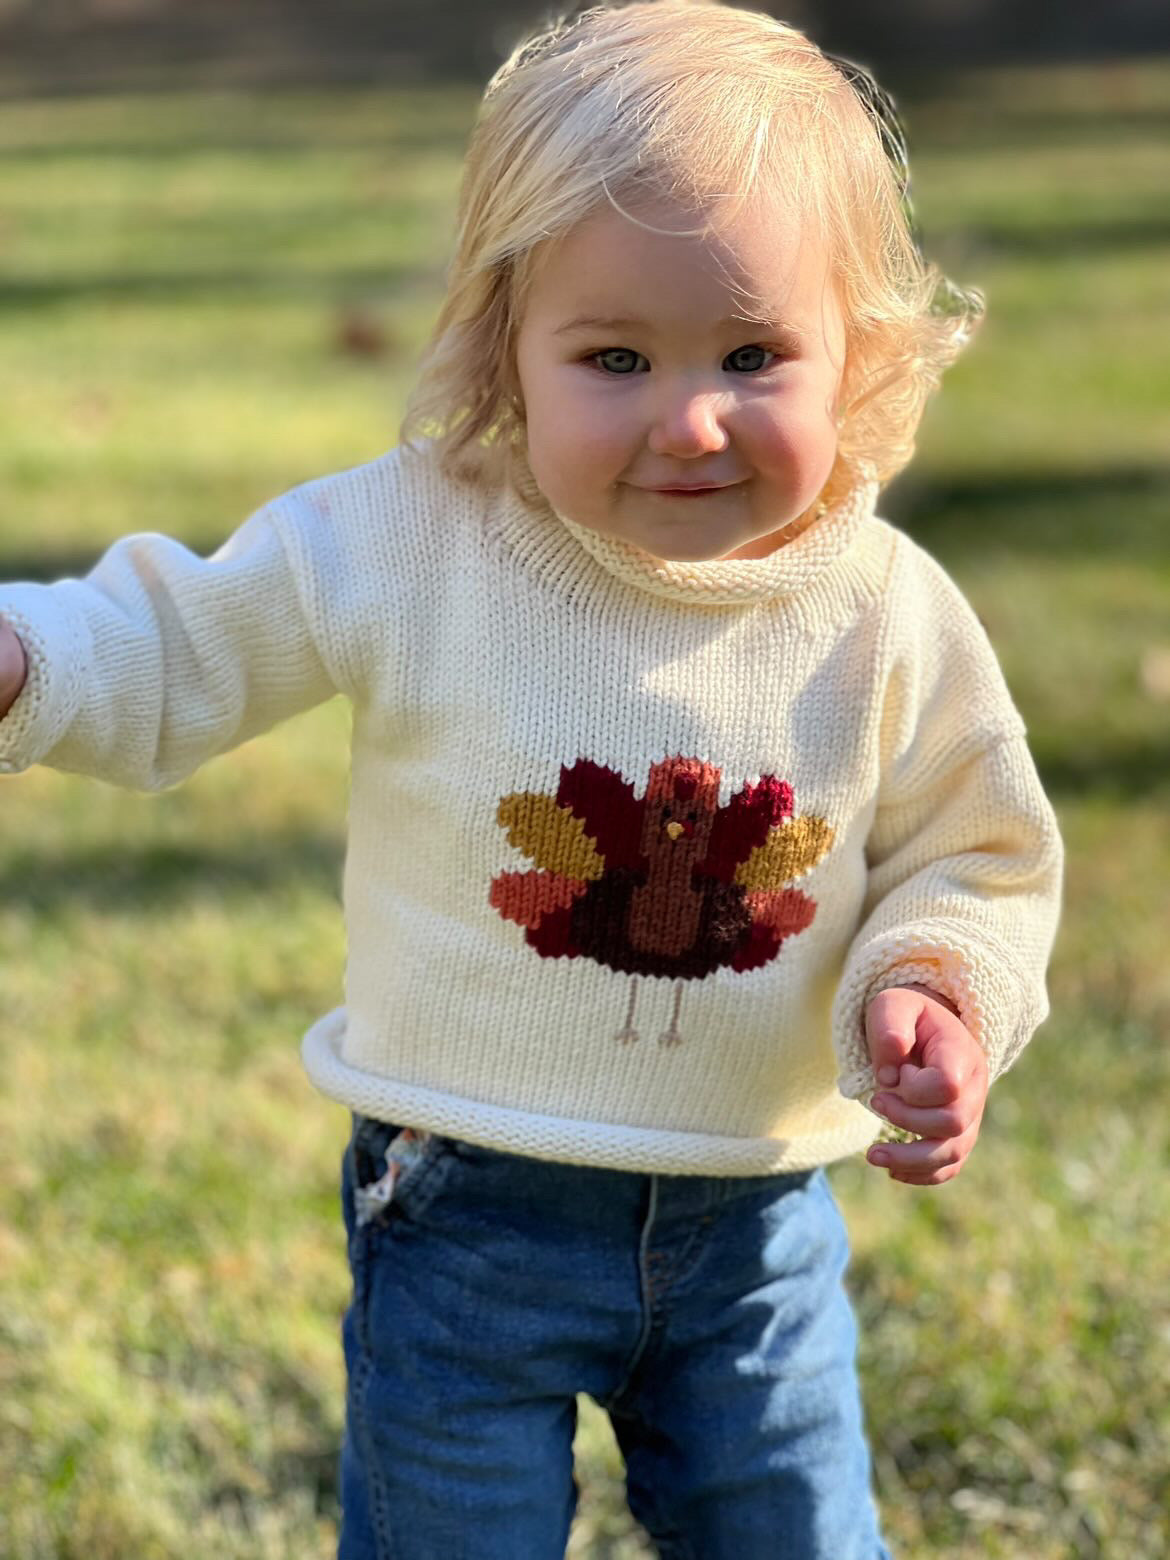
[696,492]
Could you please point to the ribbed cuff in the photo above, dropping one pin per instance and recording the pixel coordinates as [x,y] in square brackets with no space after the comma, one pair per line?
[51,694]
[995,999]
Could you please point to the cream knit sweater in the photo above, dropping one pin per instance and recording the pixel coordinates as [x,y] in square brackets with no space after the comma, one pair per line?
[632,843]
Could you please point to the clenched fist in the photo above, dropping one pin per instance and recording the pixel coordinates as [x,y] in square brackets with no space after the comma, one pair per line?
[932,1080]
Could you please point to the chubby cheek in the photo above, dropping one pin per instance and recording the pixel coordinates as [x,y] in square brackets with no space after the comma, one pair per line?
[794,445]
[576,450]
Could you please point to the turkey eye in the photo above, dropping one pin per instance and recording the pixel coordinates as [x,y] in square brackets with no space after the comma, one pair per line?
[692,817]
[736,359]
[665,814]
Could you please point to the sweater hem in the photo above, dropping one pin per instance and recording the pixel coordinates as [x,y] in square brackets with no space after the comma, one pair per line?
[607,1145]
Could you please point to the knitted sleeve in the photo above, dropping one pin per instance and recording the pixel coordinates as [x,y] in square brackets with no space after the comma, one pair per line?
[159,659]
[963,855]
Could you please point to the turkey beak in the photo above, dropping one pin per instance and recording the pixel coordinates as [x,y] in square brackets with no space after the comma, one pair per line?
[675,829]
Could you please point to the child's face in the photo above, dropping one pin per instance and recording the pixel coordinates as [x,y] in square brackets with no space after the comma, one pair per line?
[671,390]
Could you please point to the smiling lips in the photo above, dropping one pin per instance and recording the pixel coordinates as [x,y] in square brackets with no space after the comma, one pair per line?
[691,492]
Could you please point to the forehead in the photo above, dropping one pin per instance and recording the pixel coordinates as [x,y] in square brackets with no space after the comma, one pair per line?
[759,261]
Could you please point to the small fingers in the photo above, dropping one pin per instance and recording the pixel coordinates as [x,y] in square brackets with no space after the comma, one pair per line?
[926,1163]
[927,1086]
[936,1178]
[890,1028]
[947,1121]
[953,1058]
[949,1075]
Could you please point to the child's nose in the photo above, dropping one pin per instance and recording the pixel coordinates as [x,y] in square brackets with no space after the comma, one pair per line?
[689,425]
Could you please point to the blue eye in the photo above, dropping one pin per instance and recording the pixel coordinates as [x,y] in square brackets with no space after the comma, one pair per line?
[750,367]
[627,360]
[622,361]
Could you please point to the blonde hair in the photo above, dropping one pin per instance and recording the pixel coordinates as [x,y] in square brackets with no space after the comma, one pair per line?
[702,104]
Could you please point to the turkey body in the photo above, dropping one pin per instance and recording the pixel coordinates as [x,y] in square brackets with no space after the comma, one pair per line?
[600,927]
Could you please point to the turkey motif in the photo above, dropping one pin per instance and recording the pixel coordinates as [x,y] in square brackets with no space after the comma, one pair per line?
[671,885]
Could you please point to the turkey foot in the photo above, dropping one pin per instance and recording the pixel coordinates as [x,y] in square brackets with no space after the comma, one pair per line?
[671,1036]
[628,1032]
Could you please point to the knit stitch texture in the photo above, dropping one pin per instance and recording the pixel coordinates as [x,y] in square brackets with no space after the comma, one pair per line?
[632,843]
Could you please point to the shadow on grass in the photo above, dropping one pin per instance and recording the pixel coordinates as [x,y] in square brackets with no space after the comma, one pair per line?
[1116,515]
[1116,768]
[138,146]
[52,565]
[18,296]
[114,876]
[313,1464]
[1048,238]
[997,129]
[46,566]
[1118,512]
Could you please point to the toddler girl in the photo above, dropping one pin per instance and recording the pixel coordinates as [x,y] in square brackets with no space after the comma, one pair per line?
[693,829]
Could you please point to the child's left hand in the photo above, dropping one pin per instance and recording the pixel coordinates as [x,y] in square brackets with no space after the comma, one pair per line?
[932,1079]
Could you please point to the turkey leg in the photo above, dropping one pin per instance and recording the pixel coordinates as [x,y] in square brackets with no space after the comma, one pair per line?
[628,1033]
[671,1036]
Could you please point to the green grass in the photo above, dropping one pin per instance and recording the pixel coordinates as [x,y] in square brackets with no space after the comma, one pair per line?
[174,272]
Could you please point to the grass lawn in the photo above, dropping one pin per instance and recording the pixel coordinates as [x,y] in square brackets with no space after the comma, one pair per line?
[179,275]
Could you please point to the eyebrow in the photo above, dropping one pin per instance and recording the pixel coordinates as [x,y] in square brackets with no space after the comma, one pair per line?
[596,322]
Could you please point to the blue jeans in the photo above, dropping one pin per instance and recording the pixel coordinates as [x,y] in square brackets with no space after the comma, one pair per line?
[705,1314]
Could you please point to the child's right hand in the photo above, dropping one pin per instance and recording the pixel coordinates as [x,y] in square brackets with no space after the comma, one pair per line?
[13,668]
[939,1089]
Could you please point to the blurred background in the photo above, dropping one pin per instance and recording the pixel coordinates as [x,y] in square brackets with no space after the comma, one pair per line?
[87,42]
[223,229]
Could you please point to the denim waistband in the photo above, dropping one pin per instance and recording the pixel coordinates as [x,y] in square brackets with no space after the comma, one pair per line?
[383,1150]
